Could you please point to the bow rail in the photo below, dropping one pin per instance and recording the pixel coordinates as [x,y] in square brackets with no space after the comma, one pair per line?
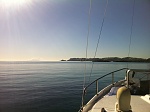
[96,81]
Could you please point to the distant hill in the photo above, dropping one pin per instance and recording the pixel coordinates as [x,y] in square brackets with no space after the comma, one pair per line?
[111,59]
[63,60]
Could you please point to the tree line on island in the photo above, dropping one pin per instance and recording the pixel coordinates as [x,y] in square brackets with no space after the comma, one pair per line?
[110,59]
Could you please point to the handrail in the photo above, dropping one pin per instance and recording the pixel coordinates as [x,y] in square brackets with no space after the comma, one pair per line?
[84,90]
[103,76]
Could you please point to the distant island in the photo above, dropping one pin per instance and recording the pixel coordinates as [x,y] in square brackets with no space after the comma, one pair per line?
[110,59]
[63,60]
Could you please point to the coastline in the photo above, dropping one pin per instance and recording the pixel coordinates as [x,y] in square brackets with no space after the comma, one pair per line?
[111,59]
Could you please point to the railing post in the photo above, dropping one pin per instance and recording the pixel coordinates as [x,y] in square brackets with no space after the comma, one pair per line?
[112,77]
[128,71]
[148,78]
[82,99]
[97,87]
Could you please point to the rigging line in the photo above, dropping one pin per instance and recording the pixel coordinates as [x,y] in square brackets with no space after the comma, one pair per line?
[99,38]
[89,19]
[131,30]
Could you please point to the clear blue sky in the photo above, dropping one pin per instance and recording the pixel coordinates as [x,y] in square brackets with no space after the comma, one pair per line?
[57,29]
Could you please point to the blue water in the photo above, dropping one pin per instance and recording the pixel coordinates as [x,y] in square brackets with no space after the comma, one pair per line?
[50,86]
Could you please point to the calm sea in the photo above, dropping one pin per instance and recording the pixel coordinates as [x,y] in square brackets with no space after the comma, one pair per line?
[50,86]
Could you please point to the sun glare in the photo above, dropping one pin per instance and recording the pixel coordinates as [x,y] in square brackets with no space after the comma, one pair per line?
[13,3]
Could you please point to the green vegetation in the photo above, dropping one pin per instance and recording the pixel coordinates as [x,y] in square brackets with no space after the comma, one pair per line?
[111,59]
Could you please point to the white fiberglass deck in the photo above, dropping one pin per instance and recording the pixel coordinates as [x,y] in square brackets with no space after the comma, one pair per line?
[137,104]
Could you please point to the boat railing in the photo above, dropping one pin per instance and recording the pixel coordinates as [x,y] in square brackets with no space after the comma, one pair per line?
[97,81]
[146,75]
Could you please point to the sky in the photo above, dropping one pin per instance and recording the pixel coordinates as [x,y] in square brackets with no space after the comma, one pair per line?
[51,30]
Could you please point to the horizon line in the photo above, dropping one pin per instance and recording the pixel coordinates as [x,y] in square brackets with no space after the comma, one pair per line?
[61,59]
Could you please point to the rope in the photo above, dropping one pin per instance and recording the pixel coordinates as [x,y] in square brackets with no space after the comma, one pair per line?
[89,21]
[131,30]
[99,38]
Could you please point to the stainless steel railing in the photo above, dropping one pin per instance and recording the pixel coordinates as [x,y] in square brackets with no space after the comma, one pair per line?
[96,81]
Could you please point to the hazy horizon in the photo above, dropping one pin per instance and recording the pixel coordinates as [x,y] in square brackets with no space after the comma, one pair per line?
[36,60]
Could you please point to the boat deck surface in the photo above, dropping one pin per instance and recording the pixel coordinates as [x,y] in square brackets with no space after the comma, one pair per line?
[137,104]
